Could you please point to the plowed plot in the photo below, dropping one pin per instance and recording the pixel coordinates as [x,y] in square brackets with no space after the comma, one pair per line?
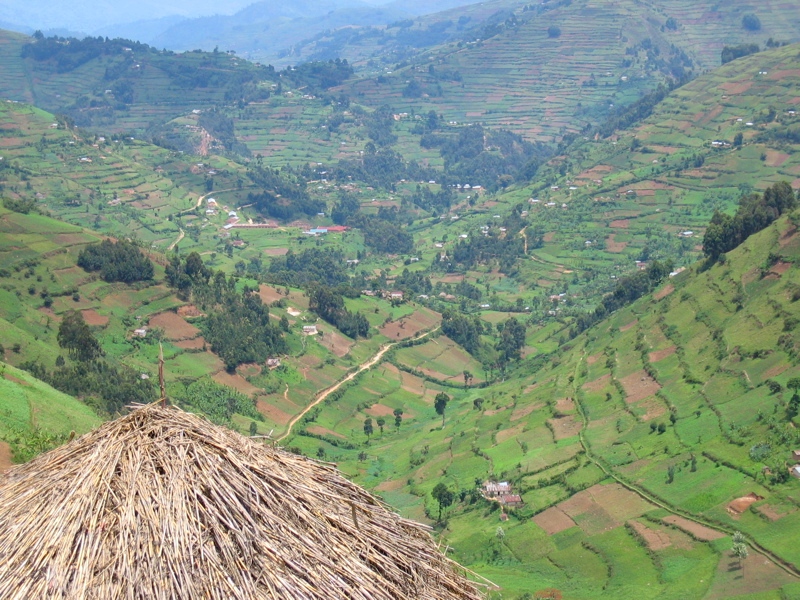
[553,520]
[701,532]
[381,410]
[92,318]
[276,251]
[740,505]
[639,386]
[603,507]
[524,411]
[275,414]
[598,384]
[409,326]
[507,434]
[620,224]
[664,292]
[565,405]
[316,429]
[5,457]
[628,326]
[391,486]
[593,358]
[771,512]
[564,427]
[189,310]
[175,328]
[237,382]
[613,246]
[651,408]
[753,575]
[270,294]
[335,342]
[655,540]
[193,344]
[775,158]
[661,354]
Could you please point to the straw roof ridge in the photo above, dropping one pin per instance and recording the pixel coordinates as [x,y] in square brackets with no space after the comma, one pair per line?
[162,504]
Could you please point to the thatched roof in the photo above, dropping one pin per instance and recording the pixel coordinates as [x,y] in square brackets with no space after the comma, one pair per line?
[163,504]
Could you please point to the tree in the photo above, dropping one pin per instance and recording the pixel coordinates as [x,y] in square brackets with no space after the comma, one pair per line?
[553,31]
[467,378]
[751,22]
[75,336]
[398,417]
[253,428]
[368,427]
[381,422]
[740,551]
[443,496]
[440,404]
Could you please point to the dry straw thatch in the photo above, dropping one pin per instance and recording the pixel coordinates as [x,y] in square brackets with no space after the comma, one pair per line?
[162,504]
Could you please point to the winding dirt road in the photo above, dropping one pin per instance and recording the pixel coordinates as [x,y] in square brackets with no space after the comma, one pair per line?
[328,391]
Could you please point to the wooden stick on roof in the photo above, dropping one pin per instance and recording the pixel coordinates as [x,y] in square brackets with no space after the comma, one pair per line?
[161,383]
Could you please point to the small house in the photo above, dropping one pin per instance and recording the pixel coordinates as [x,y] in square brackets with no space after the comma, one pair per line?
[273,363]
[511,500]
[492,489]
[395,295]
[310,330]
[795,471]
[141,332]
[796,455]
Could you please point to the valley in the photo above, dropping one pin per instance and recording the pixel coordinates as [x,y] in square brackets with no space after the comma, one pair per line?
[550,249]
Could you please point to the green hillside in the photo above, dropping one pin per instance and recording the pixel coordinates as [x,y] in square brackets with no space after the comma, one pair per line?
[35,417]
[674,405]
[512,70]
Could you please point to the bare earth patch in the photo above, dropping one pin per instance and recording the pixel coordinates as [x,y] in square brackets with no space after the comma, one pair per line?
[524,411]
[510,433]
[189,310]
[738,506]
[93,318]
[174,326]
[664,292]
[620,224]
[614,246]
[193,344]
[661,354]
[273,413]
[319,430]
[237,382]
[335,342]
[593,358]
[639,386]
[628,326]
[598,384]
[701,532]
[655,540]
[780,267]
[652,409]
[276,251]
[381,410]
[770,512]
[565,405]
[775,158]
[564,427]
[390,486]
[553,520]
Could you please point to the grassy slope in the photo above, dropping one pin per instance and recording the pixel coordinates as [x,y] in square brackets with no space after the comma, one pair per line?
[32,412]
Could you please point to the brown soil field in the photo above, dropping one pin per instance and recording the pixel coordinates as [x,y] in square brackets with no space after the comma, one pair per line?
[5,457]
[757,574]
[553,520]
[319,430]
[524,411]
[639,386]
[507,434]
[775,158]
[335,342]
[92,318]
[598,384]
[781,267]
[391,485]
[701,532]
[628,325]
[189,310]
[269,294]
[620,224]
[658,355]
[249,370]
[775,371]
[613,246]
[788,236]
[273,413]
[734,88]
[652,409]
[193,344]
[237,382]
[740,505]
[16,380]
[409,326]
[655,540]
[381,410]
[770,512]
[565,405]
[565,427]
[276,251]
[175,327]
[549,237]
[594,358]
[664,292]
[449,279]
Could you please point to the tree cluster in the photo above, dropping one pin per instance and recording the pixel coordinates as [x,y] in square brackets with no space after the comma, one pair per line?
[116,261]
[755,212]
[329,305]
[309,267]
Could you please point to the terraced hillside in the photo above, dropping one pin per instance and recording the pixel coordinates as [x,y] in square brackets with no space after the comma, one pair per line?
[551,70]
[638,448]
